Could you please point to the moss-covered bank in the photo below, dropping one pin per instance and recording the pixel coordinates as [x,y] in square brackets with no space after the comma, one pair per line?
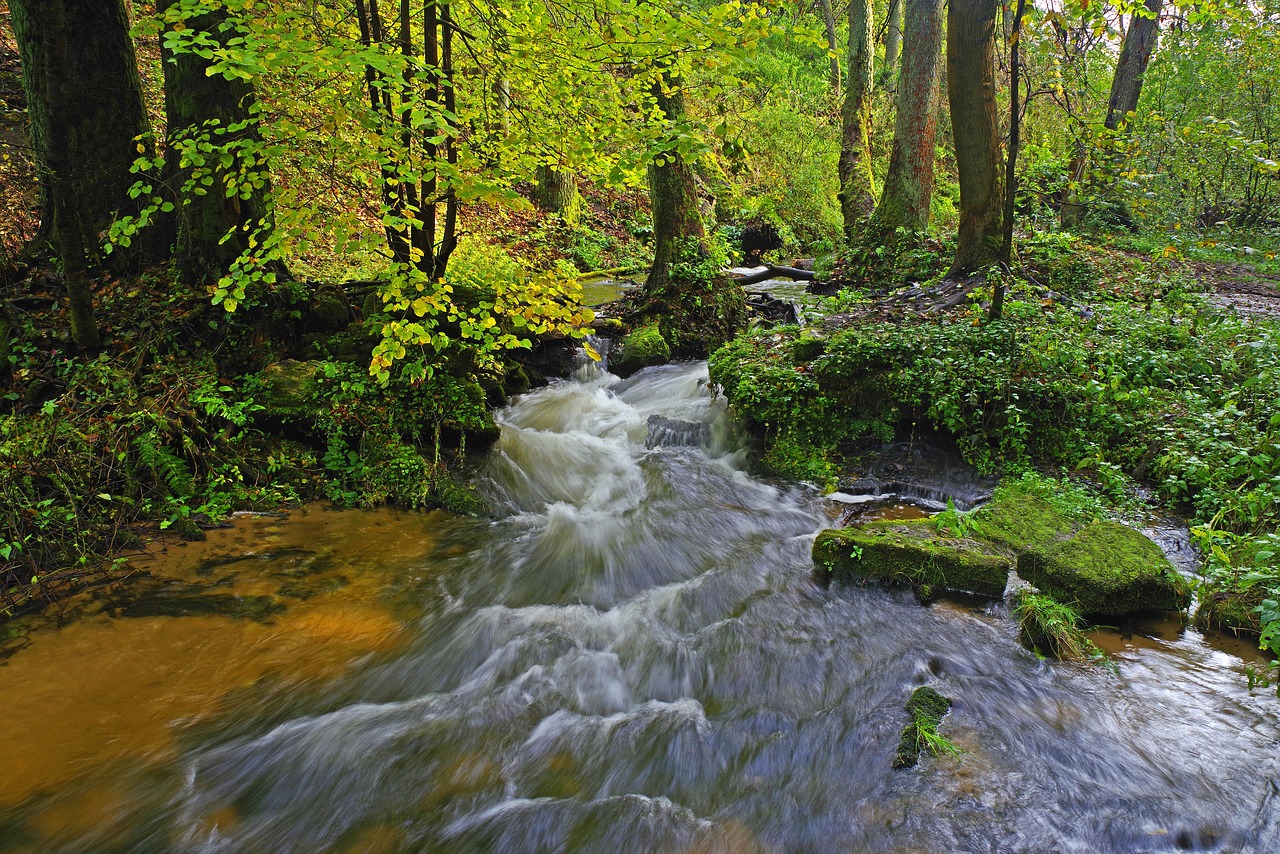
[1121,371]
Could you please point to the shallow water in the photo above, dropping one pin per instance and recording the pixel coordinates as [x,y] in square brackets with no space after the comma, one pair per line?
[635,656]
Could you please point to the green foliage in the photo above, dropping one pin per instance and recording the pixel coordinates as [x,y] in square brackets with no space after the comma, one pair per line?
[925,708]
[951,521]
[1051,628]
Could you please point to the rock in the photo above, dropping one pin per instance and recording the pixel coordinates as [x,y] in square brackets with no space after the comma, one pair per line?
[915,553]
[1231,609]
[670,432]
[926,708]
[1106,569]
[642,348]
[289,389]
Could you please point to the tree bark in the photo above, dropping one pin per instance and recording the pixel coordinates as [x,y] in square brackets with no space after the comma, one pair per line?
[833,48]
[893,42]
[908,185]
[857,184]
[974,125]
[1135,54]
[1011,161]
[674,197]
[83,93]
[213,228]
[556,191]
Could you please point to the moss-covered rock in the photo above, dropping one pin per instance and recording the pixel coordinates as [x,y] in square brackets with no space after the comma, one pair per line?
[925,708]
[1231,609]
[642,348]
[1019,519]
[1105,569]
[915,553]
[289,390]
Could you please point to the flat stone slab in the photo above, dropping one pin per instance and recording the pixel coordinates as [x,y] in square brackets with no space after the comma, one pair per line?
[915,553]
[1105,569]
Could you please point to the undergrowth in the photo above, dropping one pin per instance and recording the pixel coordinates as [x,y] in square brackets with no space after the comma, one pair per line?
[1138,377]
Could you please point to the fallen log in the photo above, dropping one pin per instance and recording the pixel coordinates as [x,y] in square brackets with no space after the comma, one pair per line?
[772,272]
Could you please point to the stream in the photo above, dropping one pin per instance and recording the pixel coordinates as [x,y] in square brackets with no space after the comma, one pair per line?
[635,656]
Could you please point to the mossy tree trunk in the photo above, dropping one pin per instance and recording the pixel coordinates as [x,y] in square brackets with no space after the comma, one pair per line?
[908,185]
[674,196]
[213,228]
[80,75]
[971,92]
[857,184]
[1135,54]
[84,101]
[556,191]
[696,306]
[893,32]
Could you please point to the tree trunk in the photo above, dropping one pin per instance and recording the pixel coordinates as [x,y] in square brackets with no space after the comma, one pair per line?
[908,185]
[695,306]
[893,43]
[1011,161]
[972,96]
[213,228]
[833,47]
[83,93]
[1135,53]
[674,198]
[857,185]
[556,191]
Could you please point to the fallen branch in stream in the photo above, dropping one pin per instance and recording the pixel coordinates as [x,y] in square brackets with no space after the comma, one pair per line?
[772,272]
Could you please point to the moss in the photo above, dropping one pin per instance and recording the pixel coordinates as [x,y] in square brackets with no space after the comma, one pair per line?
[1105,569]
[1231,609]
[791,459]
[925,708]
[1019,519]
[642,348]
[289,390]
[807,348]
[1050,628]
[914,553]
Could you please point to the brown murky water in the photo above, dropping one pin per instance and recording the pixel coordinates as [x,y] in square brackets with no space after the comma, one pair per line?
[135,664]
[633,657]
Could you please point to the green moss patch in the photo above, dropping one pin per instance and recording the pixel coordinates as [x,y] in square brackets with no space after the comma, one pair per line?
[926,708]
[642,348]
[914,553]
[1019,519]
[1231,609]
[1105,569]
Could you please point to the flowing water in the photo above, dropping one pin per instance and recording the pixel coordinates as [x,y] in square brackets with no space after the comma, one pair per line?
[635,657]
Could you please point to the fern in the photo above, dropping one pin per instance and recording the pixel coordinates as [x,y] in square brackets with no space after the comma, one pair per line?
[166,466]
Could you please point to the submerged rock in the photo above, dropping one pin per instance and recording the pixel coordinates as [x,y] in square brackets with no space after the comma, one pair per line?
[670,432]
[1106,569]
[915,553]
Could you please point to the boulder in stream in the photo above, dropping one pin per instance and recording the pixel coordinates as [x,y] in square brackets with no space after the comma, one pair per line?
[1106,569]
[641,348]
[916,553]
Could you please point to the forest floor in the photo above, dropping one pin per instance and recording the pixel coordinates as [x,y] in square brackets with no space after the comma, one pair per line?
[1240,286]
